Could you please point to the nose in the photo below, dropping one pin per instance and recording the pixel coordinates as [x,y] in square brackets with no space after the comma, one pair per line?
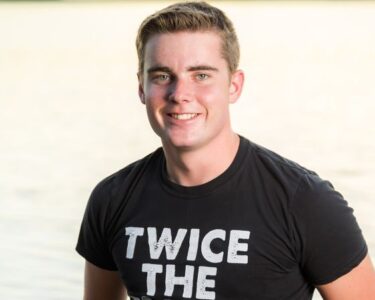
[180,91]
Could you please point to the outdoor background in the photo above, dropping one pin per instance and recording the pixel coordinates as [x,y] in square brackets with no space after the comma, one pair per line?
[70,114]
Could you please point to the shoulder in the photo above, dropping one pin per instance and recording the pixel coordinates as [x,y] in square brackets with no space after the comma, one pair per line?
[275,169]
[304,190]
[308,186]
[111,186]
[274,160]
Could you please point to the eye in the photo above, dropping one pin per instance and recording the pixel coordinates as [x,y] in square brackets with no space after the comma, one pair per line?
[161,78]
[202,76]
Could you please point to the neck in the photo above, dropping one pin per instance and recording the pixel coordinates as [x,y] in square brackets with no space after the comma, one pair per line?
[198,166]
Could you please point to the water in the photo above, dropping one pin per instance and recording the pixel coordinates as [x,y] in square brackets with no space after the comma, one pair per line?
[71,115]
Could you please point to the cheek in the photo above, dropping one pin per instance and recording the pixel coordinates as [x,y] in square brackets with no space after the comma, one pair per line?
[154,99]
[153,111]
[214,96]
[153,117]
[154,106]
[152,94]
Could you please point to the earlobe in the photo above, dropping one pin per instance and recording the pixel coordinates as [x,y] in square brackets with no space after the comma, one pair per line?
[236,84]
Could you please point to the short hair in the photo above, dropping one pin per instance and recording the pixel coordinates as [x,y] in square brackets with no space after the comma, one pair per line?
[190,16]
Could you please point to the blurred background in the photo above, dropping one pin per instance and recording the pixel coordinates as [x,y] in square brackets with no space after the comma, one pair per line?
[70,114]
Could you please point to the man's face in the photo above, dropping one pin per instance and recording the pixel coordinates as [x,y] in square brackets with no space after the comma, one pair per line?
[187,88]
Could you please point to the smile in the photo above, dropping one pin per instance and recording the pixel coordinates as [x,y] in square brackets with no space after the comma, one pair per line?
[183,116]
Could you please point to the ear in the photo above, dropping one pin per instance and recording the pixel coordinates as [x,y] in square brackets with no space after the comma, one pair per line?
[236,84]
[141,92]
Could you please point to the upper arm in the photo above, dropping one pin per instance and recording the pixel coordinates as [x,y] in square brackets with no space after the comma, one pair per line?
[359,283]
[101,284]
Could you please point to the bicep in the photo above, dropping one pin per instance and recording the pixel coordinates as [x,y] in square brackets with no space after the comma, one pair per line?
[101,284]
[359,283]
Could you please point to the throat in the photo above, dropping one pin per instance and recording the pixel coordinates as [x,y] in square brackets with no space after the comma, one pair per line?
[193,168]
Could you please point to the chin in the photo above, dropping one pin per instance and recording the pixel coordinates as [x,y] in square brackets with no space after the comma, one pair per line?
[186,143]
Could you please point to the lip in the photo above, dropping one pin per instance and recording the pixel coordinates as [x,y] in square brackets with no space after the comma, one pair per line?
[183,117]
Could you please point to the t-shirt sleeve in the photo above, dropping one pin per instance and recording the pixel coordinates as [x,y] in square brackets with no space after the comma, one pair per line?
[331,242]
[92,240]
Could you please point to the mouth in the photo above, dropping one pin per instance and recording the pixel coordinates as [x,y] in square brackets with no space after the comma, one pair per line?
[184,116]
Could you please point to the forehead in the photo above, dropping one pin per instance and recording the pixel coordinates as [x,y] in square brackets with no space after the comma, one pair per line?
[180,49]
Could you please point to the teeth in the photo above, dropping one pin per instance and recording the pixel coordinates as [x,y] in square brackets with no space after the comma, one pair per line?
[183,116]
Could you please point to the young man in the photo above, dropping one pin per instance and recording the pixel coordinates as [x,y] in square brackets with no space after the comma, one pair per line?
[211,215]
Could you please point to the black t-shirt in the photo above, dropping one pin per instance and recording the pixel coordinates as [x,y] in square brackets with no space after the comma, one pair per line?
[266,228]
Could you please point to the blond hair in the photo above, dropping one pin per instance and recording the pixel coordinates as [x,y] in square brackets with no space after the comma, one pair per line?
[190,16]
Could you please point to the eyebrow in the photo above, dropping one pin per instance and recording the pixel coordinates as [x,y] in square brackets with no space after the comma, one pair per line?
[158,68]
[203,68]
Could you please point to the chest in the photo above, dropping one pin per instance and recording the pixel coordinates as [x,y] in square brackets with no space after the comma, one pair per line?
[227,246]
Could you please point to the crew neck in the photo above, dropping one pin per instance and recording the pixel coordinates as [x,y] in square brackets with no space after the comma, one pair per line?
[207,188]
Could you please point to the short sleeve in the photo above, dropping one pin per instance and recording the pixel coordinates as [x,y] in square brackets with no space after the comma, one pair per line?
[92,240]
[331,242]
